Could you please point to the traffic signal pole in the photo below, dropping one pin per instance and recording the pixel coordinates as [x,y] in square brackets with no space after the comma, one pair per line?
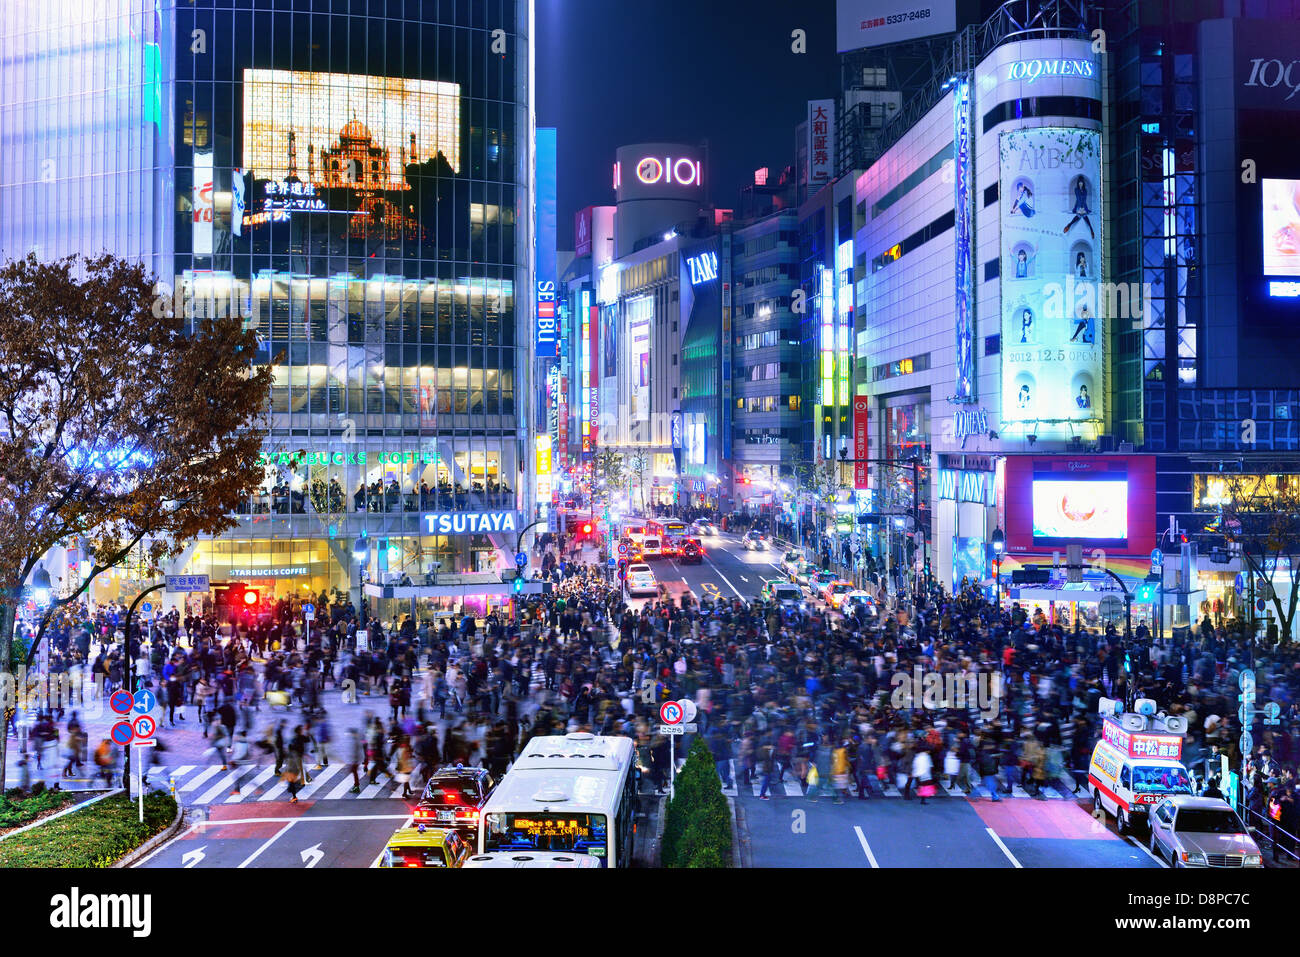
[128,673]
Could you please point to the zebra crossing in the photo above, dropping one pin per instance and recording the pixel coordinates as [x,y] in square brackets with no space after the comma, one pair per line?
[197,785]
[1062,789]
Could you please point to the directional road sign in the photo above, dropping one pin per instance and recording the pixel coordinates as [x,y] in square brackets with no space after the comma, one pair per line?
[145,611]
[121,701]
[1157,557]
[521,559]
[187,583]
[145,701]
[122,733]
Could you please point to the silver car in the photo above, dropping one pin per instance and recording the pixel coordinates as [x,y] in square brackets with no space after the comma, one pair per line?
[1201,832]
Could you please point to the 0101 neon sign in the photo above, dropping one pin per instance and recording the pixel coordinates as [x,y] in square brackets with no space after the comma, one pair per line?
[675,172]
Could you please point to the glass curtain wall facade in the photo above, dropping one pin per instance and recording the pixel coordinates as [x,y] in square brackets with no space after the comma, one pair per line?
[353,179]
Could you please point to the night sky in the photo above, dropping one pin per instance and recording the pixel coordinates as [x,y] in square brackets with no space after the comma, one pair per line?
[614,72]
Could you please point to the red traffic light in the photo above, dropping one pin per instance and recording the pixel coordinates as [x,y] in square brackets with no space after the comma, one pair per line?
[586,528]
[251,596]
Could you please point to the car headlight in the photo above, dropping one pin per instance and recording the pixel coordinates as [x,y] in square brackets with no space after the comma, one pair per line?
[1253,860]
[1193,857]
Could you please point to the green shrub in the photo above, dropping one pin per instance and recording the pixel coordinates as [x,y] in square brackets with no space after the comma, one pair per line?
[697,821]
[17,810]
[97,835]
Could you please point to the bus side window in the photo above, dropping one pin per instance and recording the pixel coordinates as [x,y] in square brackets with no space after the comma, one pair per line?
[1126,778]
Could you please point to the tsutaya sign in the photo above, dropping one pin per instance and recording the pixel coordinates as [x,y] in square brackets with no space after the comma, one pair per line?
[469,523]
[1031,70]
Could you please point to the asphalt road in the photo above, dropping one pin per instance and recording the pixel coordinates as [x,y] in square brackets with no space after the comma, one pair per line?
[946,832]
[280,834]
[728,570]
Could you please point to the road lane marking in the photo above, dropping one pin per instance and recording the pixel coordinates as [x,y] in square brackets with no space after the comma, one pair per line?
[274,837]
[862,839]
[1147,851]
[250,786]
[998,841]
[318,780]
[309,820]
[192,830]
[193,785]
[726,579]
[221,786]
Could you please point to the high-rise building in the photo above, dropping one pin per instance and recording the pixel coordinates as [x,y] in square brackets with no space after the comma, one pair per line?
[360,189]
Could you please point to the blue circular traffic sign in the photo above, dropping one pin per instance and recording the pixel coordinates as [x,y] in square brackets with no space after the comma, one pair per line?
[1157,557]
[122,733]
[121,701]
[145,701]
[308,607]
[521,559]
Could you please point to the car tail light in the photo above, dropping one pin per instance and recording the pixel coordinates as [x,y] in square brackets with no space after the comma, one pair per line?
[467,815]
[421,812]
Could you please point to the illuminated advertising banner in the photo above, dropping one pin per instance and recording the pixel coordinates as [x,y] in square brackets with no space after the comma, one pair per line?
[204,208]
[369,148]
[873,23]
[469,523]
[640,315]
[582,232]
[1053,333]
[659,171]
[1097,501]
[542,460]
[821,142]
[547,329]
[861,405]
[593,381]
[1142,744]
[965,364]
[826,304]
[1281,236]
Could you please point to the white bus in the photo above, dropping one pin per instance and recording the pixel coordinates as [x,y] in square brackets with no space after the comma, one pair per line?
[574,793]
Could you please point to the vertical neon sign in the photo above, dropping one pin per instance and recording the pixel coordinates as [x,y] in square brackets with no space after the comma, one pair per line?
[827,290]
[584,373]
[965,365]
[844,304]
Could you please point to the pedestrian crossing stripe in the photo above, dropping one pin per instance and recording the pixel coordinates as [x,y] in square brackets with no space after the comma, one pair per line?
[197,785]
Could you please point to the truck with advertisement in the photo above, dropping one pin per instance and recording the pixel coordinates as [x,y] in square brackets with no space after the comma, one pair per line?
[1137,762]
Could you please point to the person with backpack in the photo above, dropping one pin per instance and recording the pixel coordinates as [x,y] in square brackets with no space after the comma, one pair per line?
[106,760]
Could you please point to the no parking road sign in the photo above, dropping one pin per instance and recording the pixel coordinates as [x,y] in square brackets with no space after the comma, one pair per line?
[121,701]
[670,712]
[122,733]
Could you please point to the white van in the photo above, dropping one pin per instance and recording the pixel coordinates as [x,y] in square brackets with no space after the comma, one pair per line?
[1136,764]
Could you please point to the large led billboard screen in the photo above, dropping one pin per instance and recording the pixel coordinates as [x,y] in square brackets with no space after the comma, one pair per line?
[1070,510]
[1098,501]
[367,155]
[1281,237]
[1053,331]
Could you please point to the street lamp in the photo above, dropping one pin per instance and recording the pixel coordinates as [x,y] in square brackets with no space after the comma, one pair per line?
[361,554]
[999,545]
[41,584]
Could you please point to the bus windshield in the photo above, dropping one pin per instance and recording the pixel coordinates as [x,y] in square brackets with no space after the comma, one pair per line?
[585,833]
[1158,778]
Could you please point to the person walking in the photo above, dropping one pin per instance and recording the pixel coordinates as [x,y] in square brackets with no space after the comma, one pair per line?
[356,753]
[988,768]
[922,771]
[840,771]
[293,771]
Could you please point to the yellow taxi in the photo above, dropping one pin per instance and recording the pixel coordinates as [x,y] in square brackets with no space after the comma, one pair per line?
[425,847]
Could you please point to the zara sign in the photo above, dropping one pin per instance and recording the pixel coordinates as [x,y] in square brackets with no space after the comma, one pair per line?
[704,268]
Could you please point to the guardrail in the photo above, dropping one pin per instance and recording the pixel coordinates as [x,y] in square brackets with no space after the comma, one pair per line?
[1283,841]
